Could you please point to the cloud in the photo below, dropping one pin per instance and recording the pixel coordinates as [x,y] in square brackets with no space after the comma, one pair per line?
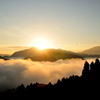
[17,47]
[15,72]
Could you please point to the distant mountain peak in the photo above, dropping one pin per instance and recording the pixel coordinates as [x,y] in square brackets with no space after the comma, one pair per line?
[93,51]
[95,47]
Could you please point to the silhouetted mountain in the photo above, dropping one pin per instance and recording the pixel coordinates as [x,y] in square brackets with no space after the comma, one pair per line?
[86,86]
[28,52]
[3,58]
[45,55]
[53,56]
[92,51]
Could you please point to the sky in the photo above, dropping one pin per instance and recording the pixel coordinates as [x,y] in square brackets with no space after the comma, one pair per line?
[67,24]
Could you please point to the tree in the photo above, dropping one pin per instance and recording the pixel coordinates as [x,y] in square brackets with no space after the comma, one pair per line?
[92,68]
[97,65]
[85,71]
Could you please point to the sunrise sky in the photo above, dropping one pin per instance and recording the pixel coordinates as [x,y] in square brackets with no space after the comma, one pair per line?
[67,24]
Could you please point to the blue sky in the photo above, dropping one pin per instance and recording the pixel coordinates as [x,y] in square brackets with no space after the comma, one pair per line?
[68,24]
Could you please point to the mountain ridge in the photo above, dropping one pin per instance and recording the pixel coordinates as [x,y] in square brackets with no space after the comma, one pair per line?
[93,51]
[3,58]
[54,56]
[45,55]
[33,52]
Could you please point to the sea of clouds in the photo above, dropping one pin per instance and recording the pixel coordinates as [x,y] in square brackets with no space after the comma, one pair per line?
[16,72]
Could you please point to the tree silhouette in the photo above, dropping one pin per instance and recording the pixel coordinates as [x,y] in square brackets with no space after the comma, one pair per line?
[92,68]
[86,86]
[21,89]
[85,71]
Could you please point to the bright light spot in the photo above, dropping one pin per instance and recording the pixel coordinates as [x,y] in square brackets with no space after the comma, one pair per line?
[41,43]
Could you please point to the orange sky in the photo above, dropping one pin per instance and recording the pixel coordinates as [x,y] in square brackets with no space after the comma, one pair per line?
[67,24]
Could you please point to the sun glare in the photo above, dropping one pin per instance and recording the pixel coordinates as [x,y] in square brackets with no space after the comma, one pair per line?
[41,44]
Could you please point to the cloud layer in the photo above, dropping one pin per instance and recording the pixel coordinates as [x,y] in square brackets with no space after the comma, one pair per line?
[15,72]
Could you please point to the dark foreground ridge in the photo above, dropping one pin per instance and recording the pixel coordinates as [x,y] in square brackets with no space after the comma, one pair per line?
[86,86]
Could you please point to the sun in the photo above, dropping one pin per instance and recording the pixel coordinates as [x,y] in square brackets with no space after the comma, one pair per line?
[41,43]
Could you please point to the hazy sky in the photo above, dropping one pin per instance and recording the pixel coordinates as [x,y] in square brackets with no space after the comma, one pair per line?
[67,24]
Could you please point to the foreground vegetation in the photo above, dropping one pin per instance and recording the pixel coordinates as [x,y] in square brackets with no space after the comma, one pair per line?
[78,87]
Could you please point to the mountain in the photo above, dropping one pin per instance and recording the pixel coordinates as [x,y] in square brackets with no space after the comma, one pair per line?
[28,52]
[3,58]
[45,55]
[92,51]
[53,56]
